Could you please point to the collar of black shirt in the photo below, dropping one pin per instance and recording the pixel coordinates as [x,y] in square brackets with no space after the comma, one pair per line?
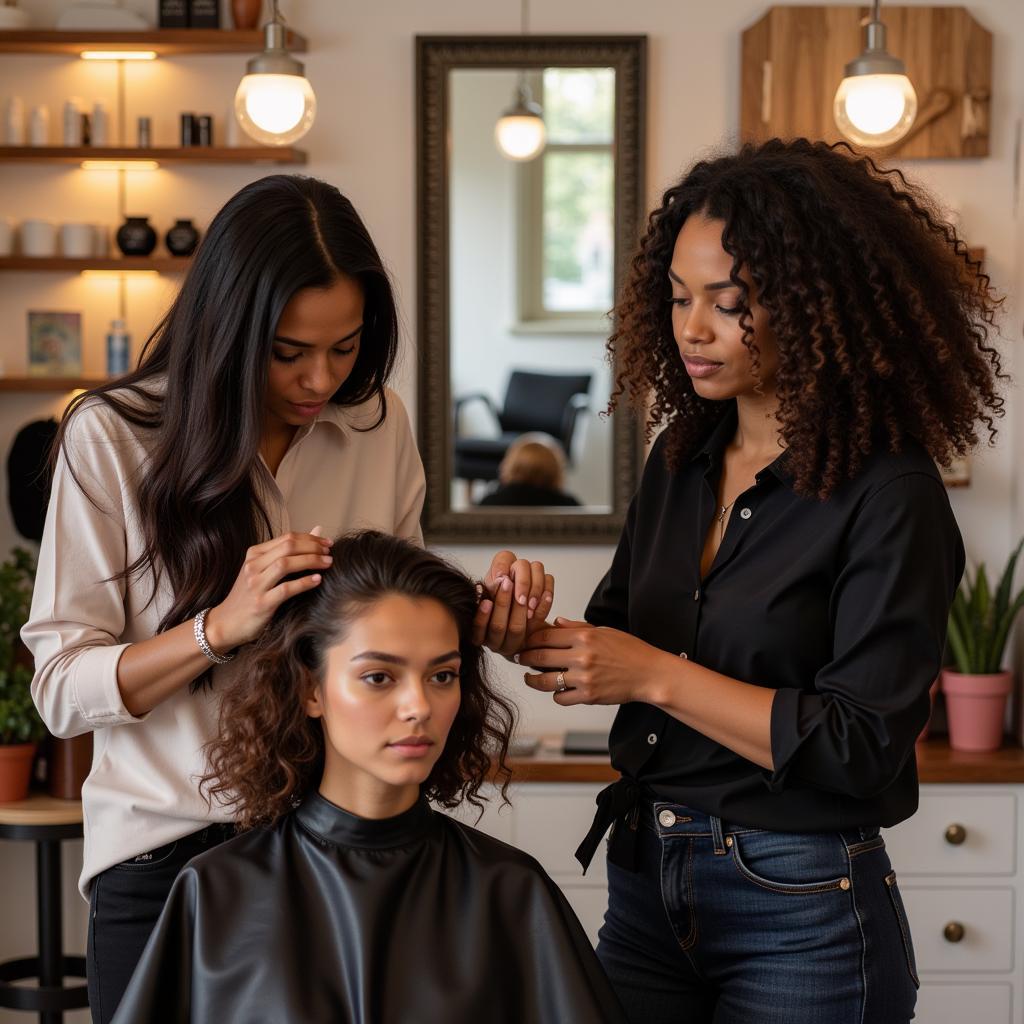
[713,448]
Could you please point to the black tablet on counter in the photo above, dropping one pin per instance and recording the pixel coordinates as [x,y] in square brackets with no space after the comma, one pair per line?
[584,741]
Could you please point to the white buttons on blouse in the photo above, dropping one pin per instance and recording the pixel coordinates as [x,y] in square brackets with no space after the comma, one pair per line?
[745,513]
[652,738]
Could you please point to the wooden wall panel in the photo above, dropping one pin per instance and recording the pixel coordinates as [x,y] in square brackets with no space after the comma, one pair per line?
[807,48]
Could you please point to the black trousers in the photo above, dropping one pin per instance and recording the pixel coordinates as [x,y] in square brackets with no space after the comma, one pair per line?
[124,905]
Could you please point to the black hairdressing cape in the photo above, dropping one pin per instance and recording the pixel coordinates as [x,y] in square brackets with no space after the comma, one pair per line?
[327,917]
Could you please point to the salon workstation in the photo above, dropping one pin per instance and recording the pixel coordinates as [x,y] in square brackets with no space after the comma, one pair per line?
[510,512]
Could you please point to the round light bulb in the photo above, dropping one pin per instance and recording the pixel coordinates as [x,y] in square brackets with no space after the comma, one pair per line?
[275,109]
[875,110]
[520,136]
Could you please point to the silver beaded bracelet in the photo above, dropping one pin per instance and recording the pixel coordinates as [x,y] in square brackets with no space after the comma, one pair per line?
[199,630]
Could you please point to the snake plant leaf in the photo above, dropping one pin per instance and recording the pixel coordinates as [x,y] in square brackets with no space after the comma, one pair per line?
[958,646]
[981,599]
[1002,600]
[960,614]
[1002,631]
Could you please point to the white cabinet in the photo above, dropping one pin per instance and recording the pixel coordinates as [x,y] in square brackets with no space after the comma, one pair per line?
[548,820]
[958,861]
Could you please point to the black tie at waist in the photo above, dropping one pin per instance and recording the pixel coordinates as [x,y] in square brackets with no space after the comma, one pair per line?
[620,800]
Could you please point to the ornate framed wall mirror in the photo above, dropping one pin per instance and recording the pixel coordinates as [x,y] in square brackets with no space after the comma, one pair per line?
[525,229]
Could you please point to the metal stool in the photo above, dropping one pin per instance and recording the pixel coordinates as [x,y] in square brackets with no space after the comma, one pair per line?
[47,823]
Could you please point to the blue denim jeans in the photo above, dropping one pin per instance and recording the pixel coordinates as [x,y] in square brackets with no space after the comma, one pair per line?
[722,924]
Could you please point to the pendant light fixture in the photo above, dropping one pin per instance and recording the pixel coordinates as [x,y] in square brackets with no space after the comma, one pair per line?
[875,104]
[274,102]
[520,132]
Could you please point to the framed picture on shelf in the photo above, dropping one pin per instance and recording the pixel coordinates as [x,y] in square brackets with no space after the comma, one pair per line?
[957,474]
[54,344]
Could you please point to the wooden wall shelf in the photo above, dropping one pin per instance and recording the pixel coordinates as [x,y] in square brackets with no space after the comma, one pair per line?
[166,42]
[62,264]
[165,155]
[49,384]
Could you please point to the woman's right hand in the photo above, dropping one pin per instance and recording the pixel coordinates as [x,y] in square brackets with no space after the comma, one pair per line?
[258,591]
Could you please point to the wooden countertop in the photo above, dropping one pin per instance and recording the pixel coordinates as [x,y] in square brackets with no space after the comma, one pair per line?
[40,809]
[936,762]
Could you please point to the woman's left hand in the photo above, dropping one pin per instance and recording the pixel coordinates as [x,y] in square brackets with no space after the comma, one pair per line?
[598,665]
[517,597]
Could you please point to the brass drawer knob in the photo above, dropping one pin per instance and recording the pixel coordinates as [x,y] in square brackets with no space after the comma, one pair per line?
[955,835]
[953,932]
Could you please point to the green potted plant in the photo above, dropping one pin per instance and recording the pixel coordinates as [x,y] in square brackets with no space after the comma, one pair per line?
[20,725]
[979,625]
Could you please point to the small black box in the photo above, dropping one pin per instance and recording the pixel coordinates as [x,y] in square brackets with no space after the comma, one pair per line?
[585,741]
[203,14]
[173,14]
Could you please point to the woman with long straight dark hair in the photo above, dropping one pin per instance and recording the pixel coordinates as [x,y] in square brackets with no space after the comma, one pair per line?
[186,495]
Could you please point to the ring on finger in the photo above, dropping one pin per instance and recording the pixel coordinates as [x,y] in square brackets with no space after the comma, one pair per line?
[561,685]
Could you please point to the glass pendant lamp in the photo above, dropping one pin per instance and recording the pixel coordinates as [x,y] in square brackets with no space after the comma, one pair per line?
[274,103]
[520,133]
[875,104]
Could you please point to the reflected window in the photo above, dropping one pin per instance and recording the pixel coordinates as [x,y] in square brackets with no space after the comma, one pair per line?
[566,205]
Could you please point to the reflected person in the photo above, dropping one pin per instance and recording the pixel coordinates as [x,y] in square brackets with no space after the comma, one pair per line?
[531,473]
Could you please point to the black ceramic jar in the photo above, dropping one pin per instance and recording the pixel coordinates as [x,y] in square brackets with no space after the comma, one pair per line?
[182,239]
[136,237]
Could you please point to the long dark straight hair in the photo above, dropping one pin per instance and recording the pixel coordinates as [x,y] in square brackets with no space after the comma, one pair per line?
[202,376]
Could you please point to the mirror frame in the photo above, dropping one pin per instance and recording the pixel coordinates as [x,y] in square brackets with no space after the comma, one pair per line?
[436,56]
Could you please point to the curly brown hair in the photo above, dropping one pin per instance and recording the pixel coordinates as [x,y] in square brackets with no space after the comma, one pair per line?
[882,317]
[269,754]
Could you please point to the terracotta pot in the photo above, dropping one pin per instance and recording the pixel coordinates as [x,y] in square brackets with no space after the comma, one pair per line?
[245,13]
[932,693]
[15,771]
[976,709]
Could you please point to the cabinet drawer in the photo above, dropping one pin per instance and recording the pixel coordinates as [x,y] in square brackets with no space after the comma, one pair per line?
[589,902]
[550,822]
[987,919]
[942,1003]
[989,836]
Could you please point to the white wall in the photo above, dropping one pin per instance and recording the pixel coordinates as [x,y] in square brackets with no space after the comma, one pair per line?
[361,64]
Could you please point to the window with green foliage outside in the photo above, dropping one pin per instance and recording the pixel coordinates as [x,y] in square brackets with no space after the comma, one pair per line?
[568,199]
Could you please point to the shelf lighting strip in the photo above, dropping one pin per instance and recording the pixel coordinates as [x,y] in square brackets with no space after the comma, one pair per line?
[119,165]
[118,55]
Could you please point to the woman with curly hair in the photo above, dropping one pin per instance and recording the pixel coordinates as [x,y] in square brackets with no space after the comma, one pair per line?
[814,338]
[346,897]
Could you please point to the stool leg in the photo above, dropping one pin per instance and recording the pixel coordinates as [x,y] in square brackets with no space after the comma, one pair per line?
[51,927]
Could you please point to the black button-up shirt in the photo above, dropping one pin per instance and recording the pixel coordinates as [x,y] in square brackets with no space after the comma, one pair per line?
[838,605]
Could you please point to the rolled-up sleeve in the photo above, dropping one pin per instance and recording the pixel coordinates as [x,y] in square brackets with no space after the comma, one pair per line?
[889,607]
[78,611]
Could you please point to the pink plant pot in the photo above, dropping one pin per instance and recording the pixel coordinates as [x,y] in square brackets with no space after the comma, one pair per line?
[15,771]
[976,709]
[932,692]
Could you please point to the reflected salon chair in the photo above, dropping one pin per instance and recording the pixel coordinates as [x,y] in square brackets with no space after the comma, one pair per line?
[548,403]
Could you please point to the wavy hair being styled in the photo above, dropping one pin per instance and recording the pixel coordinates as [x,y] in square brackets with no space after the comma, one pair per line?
[200,386]
[269,753]
[881,315]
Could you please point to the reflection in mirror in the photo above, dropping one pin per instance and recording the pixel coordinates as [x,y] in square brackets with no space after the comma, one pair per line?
[530,224]
[531,278]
